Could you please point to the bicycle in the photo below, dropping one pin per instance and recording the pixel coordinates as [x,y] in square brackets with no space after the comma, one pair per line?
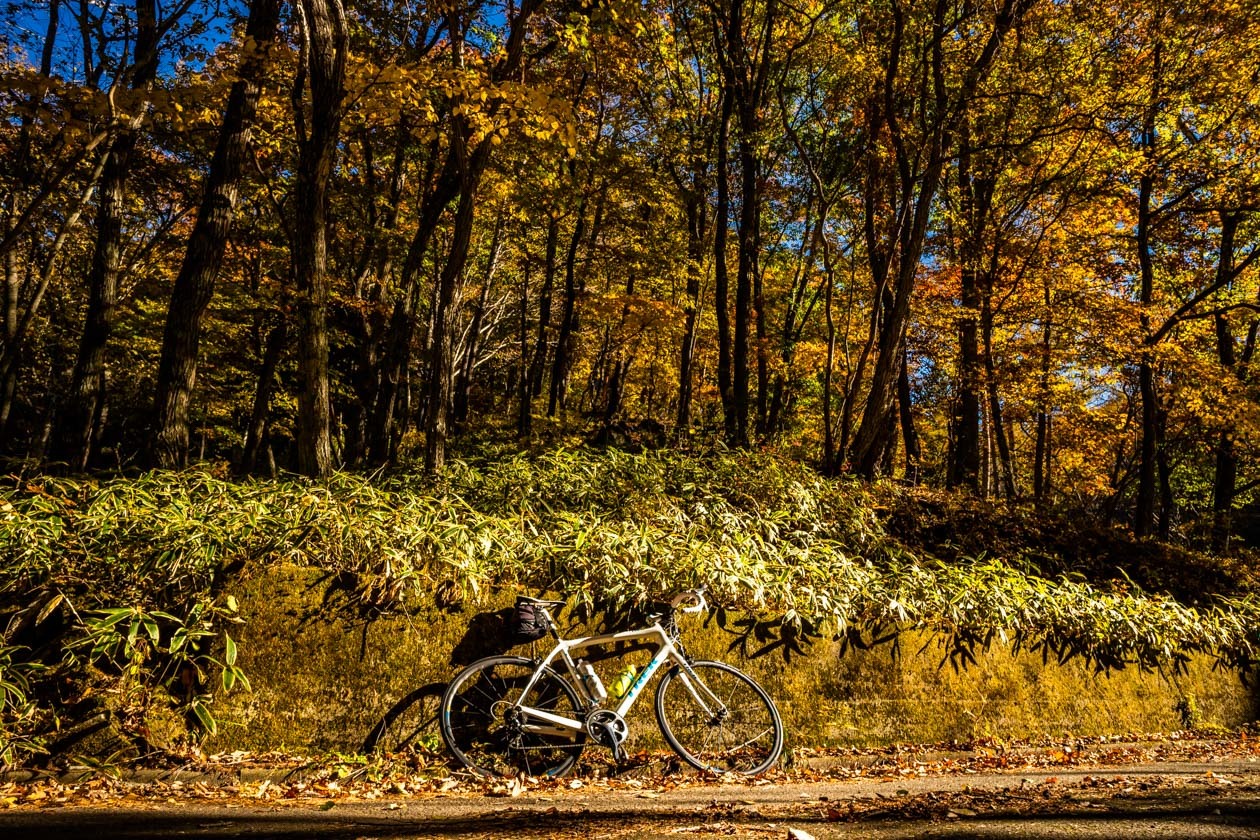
[504,715]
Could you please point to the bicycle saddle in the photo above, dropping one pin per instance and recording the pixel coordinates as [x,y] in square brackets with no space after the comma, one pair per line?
[542,602]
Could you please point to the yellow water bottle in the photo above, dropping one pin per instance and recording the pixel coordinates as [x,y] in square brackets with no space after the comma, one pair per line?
[624,680]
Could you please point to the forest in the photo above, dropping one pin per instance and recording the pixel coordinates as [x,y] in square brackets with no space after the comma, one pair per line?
[871,315]
[1005,248]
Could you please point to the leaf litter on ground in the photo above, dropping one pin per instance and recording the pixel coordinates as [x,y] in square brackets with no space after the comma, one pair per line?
[248,778]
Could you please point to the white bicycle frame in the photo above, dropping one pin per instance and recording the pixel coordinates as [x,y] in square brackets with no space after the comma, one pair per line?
[549,723]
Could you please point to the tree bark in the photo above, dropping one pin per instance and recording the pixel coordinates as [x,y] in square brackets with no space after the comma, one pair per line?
[8,373]
[905,405]
[748,80]
[320,80]
[1043,452]
[538,362]
[570,319]
[964,468]
[564,335]
[1225,478]
[1144,510]
[1005,467]
[468,359]
[438,391]
[203,258]
[721,275]
[1149,433]
[395,358]
[696,224]
[256,434]
[829,439]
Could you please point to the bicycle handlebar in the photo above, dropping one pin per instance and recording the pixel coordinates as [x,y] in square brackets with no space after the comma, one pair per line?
[693,595]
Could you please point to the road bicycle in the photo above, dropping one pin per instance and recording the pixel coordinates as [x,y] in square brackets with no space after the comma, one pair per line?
[506,715]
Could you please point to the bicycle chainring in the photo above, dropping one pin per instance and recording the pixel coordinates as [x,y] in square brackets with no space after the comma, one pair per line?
[607,728]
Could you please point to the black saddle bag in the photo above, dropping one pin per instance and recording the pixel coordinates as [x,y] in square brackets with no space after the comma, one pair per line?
[527,624]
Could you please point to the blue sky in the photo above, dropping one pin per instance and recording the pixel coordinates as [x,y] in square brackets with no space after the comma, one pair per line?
[203,26]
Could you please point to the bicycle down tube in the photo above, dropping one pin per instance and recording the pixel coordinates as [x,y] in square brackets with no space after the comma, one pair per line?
[564,649]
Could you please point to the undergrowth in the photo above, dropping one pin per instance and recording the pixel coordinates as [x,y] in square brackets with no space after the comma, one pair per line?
[127,575]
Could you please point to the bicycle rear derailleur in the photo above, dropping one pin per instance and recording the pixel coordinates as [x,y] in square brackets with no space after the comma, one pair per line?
[608,729]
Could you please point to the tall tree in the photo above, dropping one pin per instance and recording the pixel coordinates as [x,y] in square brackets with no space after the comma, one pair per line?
[318,92]
[469,155]
[81,416]
[746,41]
[194,285]
[916,110]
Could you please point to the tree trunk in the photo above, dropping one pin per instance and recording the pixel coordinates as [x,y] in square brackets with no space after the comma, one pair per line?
[8,373]
[570,321]
[1042,453]
[454,174]
[10,356]
[560,364]
[320,81]
[829,440]
[439,386]
[621,364]
[468,360]
[395,357]
[77,428]
[749,82]
[538,363]
[470,163]
[914,453]
[524,417]
[1167,504]
[12,327]
[964,467]
[721,276]
[1005,468]
[1144,509]
[1225,479]
[695,212]
[194,286]
[256,434]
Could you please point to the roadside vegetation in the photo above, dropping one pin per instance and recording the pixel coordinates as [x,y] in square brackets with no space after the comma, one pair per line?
[120,588]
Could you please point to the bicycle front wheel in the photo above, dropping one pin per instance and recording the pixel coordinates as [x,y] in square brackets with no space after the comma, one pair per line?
[483,728]
[718,719]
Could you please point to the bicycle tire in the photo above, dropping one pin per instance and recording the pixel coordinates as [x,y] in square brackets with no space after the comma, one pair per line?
[411,724]
[475,725]
[747,738]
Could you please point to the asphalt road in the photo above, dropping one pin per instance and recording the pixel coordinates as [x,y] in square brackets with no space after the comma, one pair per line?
[1210,800]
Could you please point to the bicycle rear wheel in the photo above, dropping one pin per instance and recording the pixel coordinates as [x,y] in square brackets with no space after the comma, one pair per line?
[482,728]
[411,724]
[720,720]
